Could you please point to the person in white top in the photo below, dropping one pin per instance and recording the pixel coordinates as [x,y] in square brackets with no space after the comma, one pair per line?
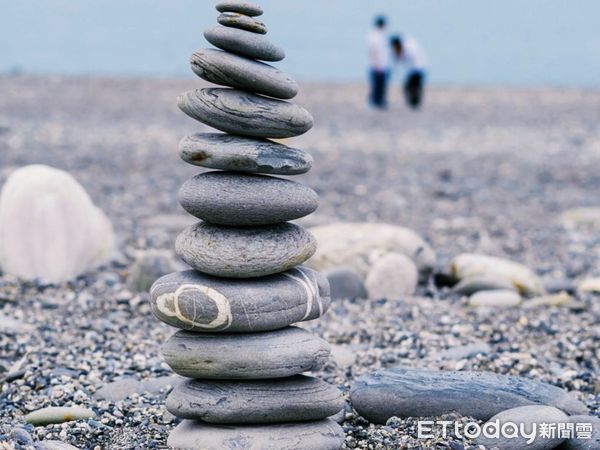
[408,52]
[379,61]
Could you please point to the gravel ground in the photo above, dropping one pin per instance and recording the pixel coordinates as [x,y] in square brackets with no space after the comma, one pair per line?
[486,170]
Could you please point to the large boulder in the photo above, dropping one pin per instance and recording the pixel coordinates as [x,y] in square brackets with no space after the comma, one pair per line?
[49,227]
[359,245]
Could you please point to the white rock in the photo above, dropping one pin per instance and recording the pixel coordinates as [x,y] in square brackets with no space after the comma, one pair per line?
[468,265]
[591,285]
[495,298]
[392,276]
[360,245]
[582,217]
[49,227]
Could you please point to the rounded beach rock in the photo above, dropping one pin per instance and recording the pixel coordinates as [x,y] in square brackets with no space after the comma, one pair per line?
[242,21]
[292,399]
[243,154]
[273,354]
[227,69]
[244,43]
[197,302]
[584,441]
[404,392]
[228,198]
[495,298]
[392,276]
[249,9]
[55,414]
[244,252]
[239,112]
[319,435]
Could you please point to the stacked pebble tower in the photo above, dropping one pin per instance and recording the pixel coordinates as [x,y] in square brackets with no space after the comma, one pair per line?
[242,359]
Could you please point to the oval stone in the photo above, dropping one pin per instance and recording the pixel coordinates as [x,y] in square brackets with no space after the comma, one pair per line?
[242,21]
[244,252]
[227,152]
[228,198]
[230,356]
[195,435]
[293,399]
[244,43]
[249,9]
[235,71]
[197,302]
[239,112]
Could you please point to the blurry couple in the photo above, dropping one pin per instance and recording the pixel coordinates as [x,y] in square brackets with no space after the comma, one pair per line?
[387,54]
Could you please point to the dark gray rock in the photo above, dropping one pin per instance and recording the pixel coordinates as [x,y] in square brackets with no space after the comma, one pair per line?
[242,113]
[242,21]
[249,9]
[407,392]
[529,418]
[346,284]
[197,302]
[235,71]
[229,198]
[578,442]
[243,154]
[244,43]
[229,356]
[244,252]
[293,399]
[319,435]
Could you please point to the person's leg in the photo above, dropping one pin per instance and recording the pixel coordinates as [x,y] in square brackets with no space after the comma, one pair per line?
[413,89]
[373,93]
[384,89]
[419,89]
[378,89]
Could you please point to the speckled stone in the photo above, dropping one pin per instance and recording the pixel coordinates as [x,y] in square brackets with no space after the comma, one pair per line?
[292,399]
[249,9]
[231,356]
[243,154]
[229,198]
[238,112]
[244,252]
[235,71]
[404,392]
[319,435]
[242,21]
[244,43]
[193,301]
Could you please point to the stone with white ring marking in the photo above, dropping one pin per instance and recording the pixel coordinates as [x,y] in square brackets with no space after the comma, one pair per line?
[194,301]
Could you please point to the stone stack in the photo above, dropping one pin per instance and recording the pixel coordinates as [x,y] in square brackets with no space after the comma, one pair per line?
[242,359]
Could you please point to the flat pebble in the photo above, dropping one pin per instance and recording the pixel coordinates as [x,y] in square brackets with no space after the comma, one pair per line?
[292,399]
[273,354]
[242,113]
[473,284]
[497,298]
[319,435]
[346,284]
[235,71]
[236,199]
[53,414]
[404,392]
[244,252]
[242,21]
[244,43]
[249,9]
[243,154]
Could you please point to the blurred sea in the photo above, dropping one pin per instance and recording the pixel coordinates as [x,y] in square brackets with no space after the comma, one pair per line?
[509,42]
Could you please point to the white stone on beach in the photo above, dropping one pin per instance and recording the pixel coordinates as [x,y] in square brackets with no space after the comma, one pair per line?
[582,217]
[53,414]
[392,276]
[49,227]
[495,298]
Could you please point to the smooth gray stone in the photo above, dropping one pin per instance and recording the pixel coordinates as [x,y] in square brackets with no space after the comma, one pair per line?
[271,354]
[292,399]
[243,154]
[242,21]
[237,199]
[54,415]
[197,302]
[472,285]
[54,445]
[346,284]
[242,113]
[227,69]
[244,43]
[249,9]
[319,435]
[244,252]
[529,418]
[578,443]
[404,392]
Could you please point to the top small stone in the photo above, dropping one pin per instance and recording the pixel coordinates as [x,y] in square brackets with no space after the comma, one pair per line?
[249,9]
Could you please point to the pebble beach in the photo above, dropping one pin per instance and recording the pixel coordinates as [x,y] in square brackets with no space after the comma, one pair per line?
[481,170]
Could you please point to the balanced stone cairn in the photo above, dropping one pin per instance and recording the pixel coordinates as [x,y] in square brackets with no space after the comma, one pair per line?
[242,359]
